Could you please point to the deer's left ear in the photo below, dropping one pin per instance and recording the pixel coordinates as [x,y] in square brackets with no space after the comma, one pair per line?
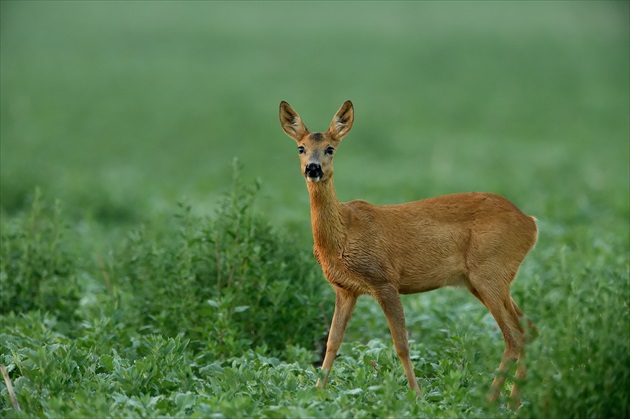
[342,121]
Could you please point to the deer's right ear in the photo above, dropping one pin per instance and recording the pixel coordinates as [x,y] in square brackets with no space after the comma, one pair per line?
[291,122]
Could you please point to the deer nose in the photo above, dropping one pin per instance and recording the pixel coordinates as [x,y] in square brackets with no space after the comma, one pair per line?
[313,170]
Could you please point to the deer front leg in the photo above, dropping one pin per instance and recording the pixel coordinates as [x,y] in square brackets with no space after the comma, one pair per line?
[389,299]
[344,306]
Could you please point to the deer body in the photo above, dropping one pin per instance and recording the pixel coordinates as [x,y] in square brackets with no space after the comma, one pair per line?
[472,240]
[421,246]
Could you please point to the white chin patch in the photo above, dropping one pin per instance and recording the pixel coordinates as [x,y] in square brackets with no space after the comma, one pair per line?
[313,179]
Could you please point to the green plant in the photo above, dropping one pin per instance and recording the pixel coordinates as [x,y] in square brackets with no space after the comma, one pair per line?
[37,268]
[225,283]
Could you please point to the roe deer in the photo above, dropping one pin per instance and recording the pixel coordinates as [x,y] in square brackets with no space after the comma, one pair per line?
[475,240]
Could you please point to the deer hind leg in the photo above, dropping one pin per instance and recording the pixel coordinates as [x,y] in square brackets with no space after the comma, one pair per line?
[344,306]
[389,299]
[496,297]
[533,330]
[521,371]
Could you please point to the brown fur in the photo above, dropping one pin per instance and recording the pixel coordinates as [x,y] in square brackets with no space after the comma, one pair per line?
[474,240]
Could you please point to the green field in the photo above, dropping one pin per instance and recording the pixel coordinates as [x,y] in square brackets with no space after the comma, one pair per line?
[145,273]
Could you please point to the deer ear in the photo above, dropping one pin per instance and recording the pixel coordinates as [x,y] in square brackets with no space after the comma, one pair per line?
[342,121]
[291,122]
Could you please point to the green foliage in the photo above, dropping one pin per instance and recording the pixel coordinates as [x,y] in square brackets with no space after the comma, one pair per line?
[155,329]
[581,357]
[226,284]
[161,310]
[37,270]
[53,373]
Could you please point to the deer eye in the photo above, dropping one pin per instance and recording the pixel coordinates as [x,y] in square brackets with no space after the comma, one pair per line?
[301,149]
[329,150]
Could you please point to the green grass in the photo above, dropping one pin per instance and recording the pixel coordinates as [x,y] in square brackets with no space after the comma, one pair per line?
[141,275]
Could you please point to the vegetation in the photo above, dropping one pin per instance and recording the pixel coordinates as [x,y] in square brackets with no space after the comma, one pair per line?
[117,301]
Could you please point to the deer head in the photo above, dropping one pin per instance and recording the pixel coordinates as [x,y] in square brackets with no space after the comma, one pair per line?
[316,149]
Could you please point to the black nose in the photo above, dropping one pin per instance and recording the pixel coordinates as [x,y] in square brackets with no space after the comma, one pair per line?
[313,170]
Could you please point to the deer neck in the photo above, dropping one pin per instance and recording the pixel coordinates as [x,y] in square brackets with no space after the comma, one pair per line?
[326,219]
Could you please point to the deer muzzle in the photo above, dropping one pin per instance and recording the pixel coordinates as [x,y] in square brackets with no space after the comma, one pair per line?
[313,172]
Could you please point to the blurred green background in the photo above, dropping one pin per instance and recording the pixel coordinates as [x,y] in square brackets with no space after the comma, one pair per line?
[120,109]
